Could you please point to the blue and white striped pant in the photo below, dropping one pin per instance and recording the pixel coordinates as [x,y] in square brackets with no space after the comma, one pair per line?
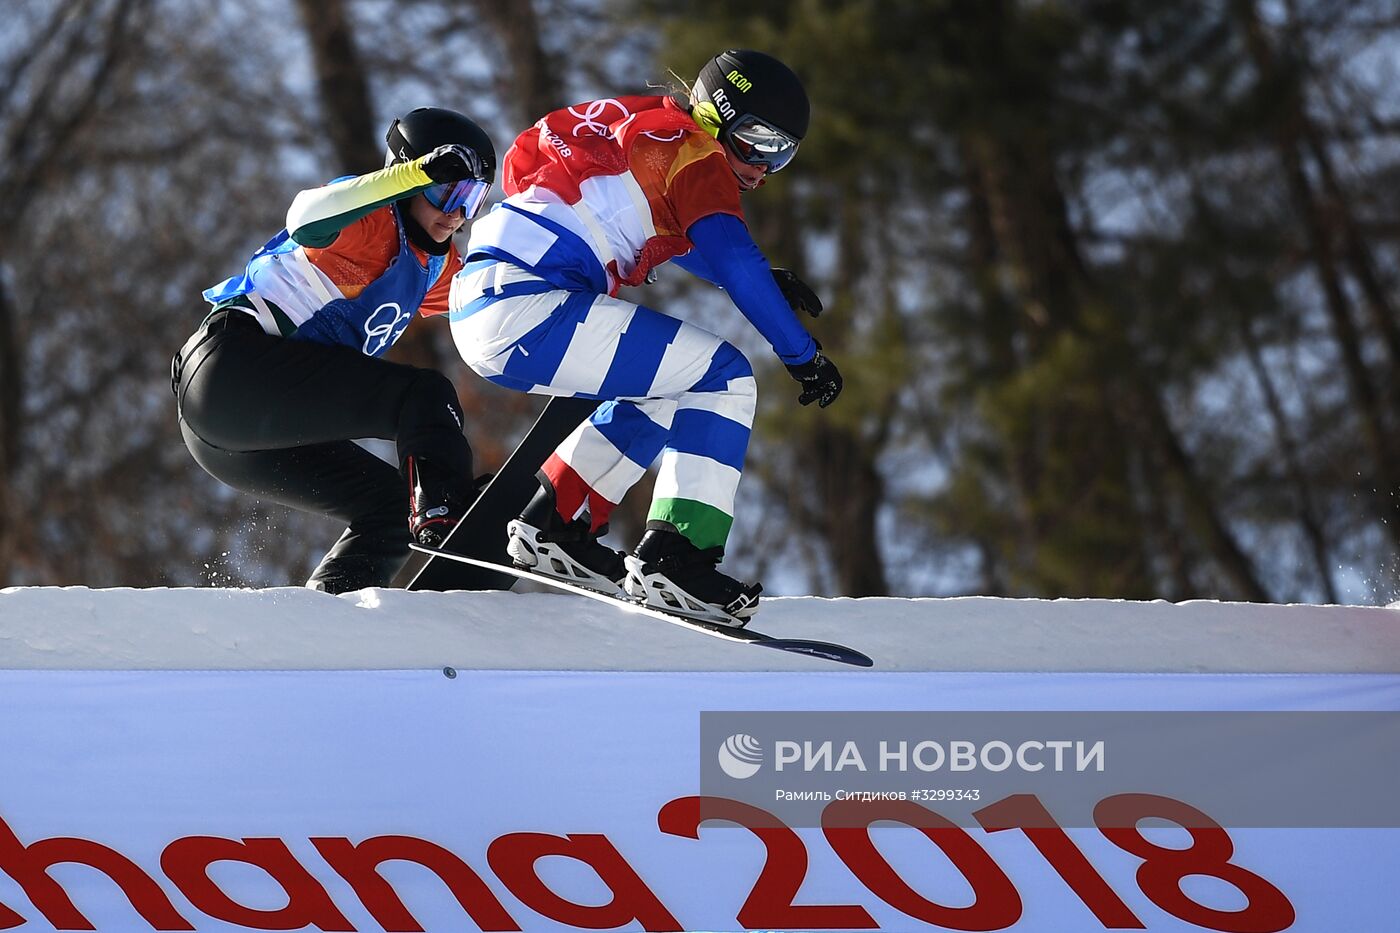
[676,391]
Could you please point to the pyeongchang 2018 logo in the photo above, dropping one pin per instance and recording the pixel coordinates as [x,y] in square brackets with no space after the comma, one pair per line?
[270,870]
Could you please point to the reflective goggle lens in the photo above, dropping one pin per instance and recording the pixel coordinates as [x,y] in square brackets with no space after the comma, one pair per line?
[456,195]
[759,144]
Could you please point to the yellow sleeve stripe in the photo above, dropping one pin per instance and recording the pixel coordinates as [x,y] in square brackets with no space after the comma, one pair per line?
[317,215]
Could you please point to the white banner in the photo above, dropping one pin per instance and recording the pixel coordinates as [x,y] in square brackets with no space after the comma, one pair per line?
[510,800]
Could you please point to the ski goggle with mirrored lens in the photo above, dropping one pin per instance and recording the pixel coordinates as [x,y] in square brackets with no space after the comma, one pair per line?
[453,196]
[757,143]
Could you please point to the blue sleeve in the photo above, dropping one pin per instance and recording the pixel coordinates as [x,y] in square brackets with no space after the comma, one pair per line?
[736,265]
[696,265]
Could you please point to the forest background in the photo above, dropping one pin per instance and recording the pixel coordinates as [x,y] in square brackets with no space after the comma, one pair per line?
[1114,284]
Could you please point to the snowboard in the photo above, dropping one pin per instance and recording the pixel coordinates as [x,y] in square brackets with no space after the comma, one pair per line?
[828,651]
[482,532]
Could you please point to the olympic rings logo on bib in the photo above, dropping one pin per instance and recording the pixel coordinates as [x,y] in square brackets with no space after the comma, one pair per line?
[588,117]
[382,331]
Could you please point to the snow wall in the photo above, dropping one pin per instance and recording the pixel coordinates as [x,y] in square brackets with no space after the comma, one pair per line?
[285,760]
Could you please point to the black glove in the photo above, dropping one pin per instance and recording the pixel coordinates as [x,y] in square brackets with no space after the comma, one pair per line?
[451,162]
[819,378]
[798,293]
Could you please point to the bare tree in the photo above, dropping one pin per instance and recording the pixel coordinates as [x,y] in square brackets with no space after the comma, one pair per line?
[128,126]
[51,91]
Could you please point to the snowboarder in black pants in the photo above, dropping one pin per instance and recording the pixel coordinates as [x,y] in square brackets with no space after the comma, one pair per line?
[284,371]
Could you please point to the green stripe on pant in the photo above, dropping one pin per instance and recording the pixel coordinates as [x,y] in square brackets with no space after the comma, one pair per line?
[704,525]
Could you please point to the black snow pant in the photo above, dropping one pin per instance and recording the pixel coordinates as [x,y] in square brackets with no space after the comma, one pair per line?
[274,417]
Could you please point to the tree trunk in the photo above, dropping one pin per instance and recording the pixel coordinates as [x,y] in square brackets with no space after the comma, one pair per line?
[834,481]
[1066,450]
[341,86]
[1197,499]
[11,411]
[1309,516]
[849,491]
[530,82]
[1004,323]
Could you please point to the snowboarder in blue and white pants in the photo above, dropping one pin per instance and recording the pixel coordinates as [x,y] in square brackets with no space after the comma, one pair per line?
[599,195]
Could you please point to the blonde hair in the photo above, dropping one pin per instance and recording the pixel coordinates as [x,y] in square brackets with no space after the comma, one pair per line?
[677,87]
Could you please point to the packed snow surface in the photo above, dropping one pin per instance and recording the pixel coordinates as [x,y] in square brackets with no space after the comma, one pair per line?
[298,629]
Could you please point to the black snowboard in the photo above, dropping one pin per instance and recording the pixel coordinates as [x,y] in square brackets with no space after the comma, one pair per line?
[817,649]
[482,533]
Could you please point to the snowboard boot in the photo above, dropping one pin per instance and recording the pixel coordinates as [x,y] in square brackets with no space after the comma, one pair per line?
[669,573]
[542,542]
[435,503]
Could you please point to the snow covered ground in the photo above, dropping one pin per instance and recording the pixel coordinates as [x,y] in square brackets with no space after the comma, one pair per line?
[296,629]
[209,742]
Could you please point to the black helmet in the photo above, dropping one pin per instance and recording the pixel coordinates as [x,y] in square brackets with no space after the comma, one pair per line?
[420,131]
[753,104]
